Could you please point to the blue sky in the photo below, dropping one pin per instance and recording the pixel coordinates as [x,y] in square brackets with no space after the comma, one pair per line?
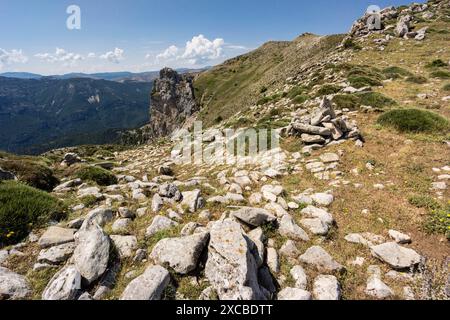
[145,35]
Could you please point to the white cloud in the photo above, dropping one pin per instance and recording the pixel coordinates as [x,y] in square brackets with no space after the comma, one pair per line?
[201,49]
[13,56]
[91,55]
[113,56]
[197,51]
[60,55]
[169,53]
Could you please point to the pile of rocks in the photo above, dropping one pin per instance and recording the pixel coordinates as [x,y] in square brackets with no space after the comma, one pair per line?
[323,126]
[378,22]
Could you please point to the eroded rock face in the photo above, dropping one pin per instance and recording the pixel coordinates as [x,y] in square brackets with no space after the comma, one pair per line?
[231,267]
[12,285]
[148,286]
[181,254]
[172,101]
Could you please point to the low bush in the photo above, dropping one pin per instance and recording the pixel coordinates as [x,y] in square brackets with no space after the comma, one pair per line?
[414,121]
[441,74]
[31,172]
[375,100]
[23,208]
[396,72]
[98,175]
[346,101]
[328,89]
[438,63]
[446,87]
[363,81]
[417,79]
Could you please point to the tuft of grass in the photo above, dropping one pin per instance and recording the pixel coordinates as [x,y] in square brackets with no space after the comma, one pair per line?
[417,79]
[350,44]
[328,89]
[348,101]
[441,74]
[438,63]
[414,121]
[364,81]
[98,175]
[23,208]
[396,72]
[300,99]
[446,87]
[424,202]
[296,91]
[375,100]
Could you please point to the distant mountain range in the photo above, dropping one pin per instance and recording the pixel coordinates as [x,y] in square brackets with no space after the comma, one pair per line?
[37,115]
[110,76]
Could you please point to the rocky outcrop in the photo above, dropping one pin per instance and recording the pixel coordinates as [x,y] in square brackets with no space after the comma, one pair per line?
[172,102]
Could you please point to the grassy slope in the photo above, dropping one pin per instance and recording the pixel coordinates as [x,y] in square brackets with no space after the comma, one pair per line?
[237,84]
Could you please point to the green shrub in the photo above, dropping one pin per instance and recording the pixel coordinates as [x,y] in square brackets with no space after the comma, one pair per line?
[441,74]
[31,172]
[328,89]
[417,79]
[438,63]
[446,87]
[423,201]
[363,81]
[300,99]
[298,90]
[350,44]
[375,99]
[346,101]
[438,221]
[96,174]
[22,208]
[396,72]
[414,120]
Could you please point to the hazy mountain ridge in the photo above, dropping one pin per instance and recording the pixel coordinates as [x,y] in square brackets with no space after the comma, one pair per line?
[39,114]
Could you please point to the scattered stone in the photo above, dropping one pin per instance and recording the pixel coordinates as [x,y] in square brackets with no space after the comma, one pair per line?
[54,236]
[319,258]
[300,277]
[193,200]
[315,226]
[126,213]
[125,245]
[396,256]
[231,268]
[101,216]
[288,228]
[121,225]
[159,223]
[313,212]
[148,286]
[57,254]
[254,216]
[326,288]
[12,285]
[399,237]
[91,254]
[375,286]
[157,203]
[289,249]
[272,260]
[294,294]
[64,285]
[329,157]
[181,254]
